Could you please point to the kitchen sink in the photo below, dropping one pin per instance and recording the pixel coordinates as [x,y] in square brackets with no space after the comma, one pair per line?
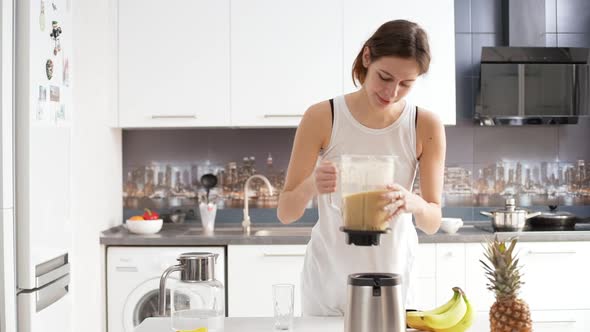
[283,231]
[218,231]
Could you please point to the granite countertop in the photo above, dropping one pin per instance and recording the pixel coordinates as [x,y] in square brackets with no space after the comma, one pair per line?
[192,235]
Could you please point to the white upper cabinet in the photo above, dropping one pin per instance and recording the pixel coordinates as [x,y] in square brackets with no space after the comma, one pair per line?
[435,91]
[261,63]
[285,56]
[173,63]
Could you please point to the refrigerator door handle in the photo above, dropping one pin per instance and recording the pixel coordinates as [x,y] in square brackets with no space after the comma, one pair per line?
[52,275]
[52,293]
[51,270]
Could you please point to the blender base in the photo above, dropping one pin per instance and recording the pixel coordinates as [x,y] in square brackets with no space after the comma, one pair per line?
[363,238]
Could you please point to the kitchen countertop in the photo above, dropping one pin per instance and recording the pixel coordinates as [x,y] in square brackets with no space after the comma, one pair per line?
[192,235]
[307,324]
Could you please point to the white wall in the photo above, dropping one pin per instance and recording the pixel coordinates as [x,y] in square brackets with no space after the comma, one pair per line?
[96,158]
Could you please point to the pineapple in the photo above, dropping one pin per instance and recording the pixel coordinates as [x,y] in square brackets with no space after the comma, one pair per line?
[508,313]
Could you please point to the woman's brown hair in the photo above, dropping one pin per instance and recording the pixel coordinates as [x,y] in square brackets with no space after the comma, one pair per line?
[398,38]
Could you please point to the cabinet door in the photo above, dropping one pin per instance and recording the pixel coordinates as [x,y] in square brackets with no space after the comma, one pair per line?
[423,286]
[475,280]
[450,270]
[173,60]
[253,269]
[544,321]
[435,91]
[285,56]
[554,273]
[561,320]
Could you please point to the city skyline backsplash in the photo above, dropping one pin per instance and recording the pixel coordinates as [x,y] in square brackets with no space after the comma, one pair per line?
[160,173]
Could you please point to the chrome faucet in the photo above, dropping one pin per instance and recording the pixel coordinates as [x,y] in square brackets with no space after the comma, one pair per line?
[246,222]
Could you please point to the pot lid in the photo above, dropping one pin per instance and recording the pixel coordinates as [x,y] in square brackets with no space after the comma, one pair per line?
[511,207]
[553,214]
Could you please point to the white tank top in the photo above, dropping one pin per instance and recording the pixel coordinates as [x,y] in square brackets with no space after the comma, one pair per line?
[329,260]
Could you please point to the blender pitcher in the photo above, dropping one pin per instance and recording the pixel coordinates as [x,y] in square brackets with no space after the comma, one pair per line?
[362,181]
[197,300]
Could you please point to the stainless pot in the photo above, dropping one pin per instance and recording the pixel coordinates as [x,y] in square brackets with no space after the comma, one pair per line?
[509,219]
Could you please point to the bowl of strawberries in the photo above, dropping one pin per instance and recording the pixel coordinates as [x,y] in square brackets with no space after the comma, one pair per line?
[148,223]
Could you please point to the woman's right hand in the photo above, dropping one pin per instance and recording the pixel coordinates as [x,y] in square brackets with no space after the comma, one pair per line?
[325,177]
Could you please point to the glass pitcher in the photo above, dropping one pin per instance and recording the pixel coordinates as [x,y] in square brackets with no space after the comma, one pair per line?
[197,299]
[362,180]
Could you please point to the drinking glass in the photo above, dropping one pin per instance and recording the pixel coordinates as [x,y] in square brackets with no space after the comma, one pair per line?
[208,212]
[282,298]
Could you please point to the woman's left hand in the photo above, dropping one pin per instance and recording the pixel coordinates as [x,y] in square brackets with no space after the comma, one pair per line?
[402,201]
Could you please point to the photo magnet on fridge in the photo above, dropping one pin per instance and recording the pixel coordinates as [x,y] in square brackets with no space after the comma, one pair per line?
[49,69]
[54,93]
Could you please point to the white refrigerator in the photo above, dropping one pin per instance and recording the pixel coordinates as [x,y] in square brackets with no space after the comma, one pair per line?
[36,160]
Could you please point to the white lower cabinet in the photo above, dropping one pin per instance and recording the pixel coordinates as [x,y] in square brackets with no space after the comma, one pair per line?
[450,270]
[554,275]
[547,321]
[253,269]
[561,320]
[475,279]
[423,285]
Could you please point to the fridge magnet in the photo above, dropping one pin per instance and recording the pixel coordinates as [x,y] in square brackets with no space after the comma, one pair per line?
[54,93]
[53,5]
[60,115]
[42,16]
[49,69]
[39,114]
[55,33]
[66,72]
[42,93]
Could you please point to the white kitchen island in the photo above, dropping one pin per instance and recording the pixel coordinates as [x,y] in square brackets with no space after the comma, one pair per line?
[235,324]
[303,324]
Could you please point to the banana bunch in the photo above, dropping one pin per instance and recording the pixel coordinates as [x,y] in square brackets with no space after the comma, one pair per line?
[456,315]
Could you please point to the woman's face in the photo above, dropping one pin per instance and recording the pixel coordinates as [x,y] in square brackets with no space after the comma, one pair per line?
[389,79]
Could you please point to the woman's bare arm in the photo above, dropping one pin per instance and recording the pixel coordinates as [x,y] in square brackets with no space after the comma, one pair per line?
[312,134]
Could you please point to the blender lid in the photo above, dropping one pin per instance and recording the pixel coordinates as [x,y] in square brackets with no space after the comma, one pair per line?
[374,279]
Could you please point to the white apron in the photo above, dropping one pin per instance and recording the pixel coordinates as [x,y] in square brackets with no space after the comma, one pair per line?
[329,260]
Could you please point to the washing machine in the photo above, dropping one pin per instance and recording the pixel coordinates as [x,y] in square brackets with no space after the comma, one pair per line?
[133,281]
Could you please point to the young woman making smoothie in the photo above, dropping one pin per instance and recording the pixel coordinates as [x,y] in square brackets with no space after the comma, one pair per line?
[374,120]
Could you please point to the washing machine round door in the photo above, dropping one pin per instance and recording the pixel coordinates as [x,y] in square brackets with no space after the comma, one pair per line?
[143,302]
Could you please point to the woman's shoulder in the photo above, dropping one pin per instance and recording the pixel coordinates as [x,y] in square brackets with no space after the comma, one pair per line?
[320,109]
[319,114]
[427,121]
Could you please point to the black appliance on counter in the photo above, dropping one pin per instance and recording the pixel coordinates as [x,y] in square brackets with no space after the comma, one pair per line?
[533,85]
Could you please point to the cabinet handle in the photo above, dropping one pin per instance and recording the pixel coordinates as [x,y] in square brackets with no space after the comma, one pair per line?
[531,252]
[175,116]
[267,116]
[572,321]
[126,268]
[283,255]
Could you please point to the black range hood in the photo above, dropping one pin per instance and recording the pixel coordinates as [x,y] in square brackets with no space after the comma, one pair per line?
[527,82]
[533,85]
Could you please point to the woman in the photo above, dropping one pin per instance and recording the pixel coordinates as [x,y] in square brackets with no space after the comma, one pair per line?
[376,119]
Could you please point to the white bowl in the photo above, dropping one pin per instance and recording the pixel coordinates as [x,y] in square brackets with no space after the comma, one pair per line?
[451,225]
[144,226]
